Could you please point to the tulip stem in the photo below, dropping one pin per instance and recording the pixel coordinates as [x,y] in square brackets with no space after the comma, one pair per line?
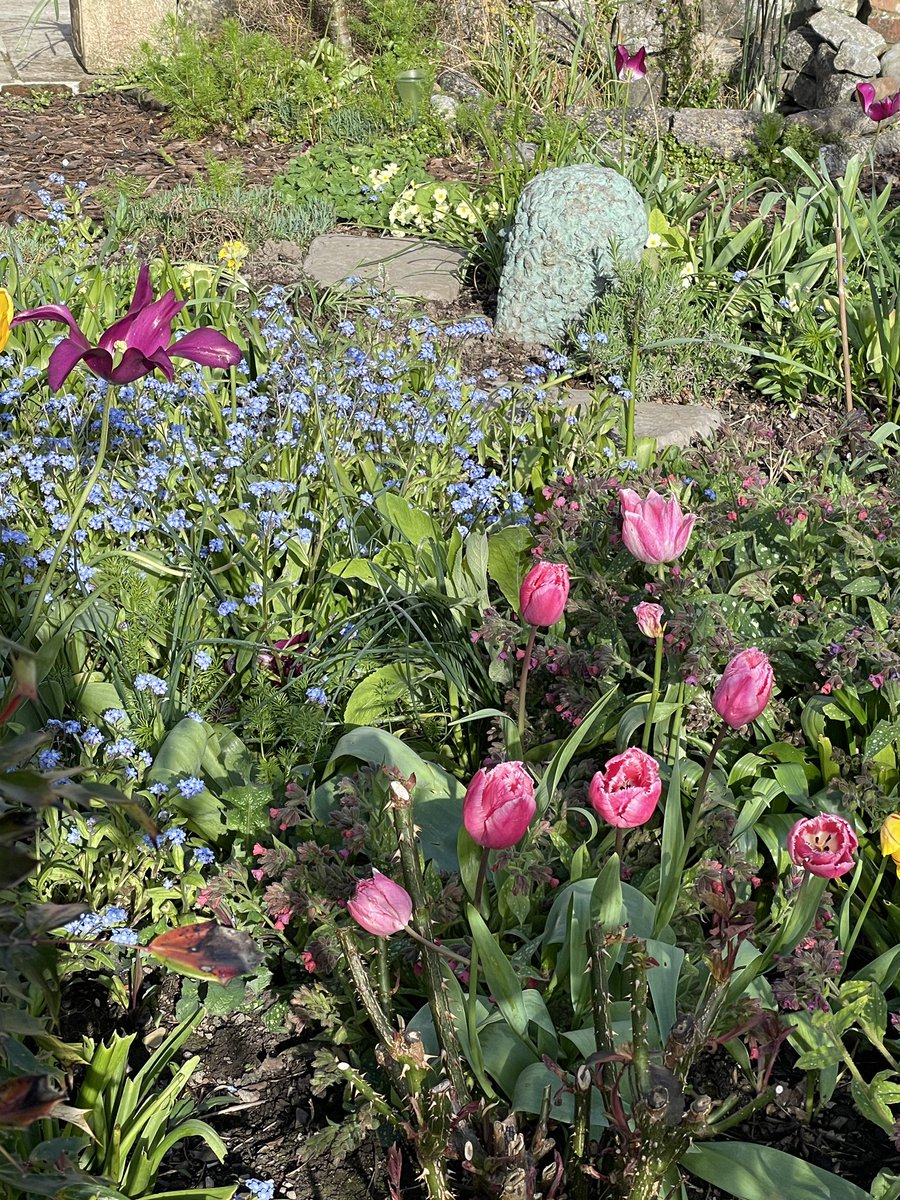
[482,874]
[523,685]
[451,954]
[700,794]
[654,693]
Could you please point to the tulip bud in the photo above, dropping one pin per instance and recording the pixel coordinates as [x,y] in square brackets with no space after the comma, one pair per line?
[649,618]
[823,845]
[543,594]
[745,688]
[24,680]
[381,906]
[654,530]
[630,66]
[499,806]
[625,793]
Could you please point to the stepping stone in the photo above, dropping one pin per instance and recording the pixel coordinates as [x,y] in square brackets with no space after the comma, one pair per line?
[671,424]
[413,268]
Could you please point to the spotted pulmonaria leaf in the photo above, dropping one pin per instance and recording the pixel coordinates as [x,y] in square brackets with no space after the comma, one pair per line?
[207,951]
[27,1099]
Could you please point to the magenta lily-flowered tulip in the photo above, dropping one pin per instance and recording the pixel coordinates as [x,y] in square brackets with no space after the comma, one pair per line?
[877,110]
[137,344]
[630,66]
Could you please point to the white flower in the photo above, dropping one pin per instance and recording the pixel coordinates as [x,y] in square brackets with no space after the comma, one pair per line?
[653,241]
[687,275]
[440,195]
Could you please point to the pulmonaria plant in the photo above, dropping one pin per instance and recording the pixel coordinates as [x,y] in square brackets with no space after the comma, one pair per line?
[136,345]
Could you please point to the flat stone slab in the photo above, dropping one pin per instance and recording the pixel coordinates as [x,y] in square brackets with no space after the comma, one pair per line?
[37,51]
[671,424]
[410,267]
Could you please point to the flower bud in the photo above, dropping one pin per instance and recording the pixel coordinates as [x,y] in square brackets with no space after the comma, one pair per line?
[625,793]
[744,689]
[823,845]
[543,594]
[654,530]
[381,906]
[499,806]
[649,618]
[6,313]
[890,836]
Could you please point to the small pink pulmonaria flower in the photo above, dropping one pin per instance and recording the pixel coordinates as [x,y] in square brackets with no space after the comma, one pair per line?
[877,681]
[877,110]
[630,66]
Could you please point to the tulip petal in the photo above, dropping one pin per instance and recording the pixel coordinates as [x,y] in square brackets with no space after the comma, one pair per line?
[152,326]
[65,357]
[207,347]
[117,332]
[52,312]
[866,93]
[143,292]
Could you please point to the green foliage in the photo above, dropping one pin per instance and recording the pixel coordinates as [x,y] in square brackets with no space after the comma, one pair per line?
[396,34]
[223,82]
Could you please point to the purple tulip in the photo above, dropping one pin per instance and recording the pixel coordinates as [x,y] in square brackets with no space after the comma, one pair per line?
[877,110]
[136,344]
[630,66]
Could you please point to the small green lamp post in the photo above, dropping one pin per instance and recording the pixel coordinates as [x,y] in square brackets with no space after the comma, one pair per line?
[412,88]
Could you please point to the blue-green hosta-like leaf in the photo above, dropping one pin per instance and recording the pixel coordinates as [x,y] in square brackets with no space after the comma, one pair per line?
[752,1172]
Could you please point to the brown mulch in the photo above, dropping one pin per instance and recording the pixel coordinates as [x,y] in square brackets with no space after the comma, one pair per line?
[96,138]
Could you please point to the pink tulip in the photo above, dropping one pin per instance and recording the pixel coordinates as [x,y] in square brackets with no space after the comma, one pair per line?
[654,530]
[823,845]
[499,805]
[649,618]
[745,688]
[381,906]
[625,793]
[630,66]
[543,594]
[136,345]
[877,110]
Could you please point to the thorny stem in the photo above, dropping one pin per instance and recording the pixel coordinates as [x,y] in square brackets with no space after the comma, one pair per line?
[578,1145]
[597,948]
[374,1011]
[746,1111]
[384,978]
[640,1049]
[523,684]
[431,964]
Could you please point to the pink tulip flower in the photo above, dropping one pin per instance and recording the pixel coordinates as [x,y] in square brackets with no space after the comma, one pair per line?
[543,594]
[630,66]
[877,110]
[136,344]
[381,906]
[625,793]
[823,845]
[649,618]
[654,530]
[499,806]
[745,688]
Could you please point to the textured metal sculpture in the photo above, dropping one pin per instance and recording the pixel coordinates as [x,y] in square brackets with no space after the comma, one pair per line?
[559,260]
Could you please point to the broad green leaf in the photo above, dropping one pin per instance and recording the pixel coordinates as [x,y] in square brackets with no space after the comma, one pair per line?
[377,695]
[755,1172]
[507,561]
[416,526]
[247,809]
[501,979]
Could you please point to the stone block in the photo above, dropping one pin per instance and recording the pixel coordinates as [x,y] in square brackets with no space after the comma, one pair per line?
[723,54]
[886,25]
[800,50]
[559,260]
[106,33]
[885,6]
[857,61]
[408,266]
[638,24]
[723,18]
[804,90]
[849,8]
[890,62]
[670,424]
[836,28]
[206,15]
[727,132]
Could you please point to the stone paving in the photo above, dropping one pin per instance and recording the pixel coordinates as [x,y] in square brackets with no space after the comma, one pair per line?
[413,268]
[37,51]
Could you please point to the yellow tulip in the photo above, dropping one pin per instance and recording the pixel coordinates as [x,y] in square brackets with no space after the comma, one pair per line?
[6,314]
[890,836]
